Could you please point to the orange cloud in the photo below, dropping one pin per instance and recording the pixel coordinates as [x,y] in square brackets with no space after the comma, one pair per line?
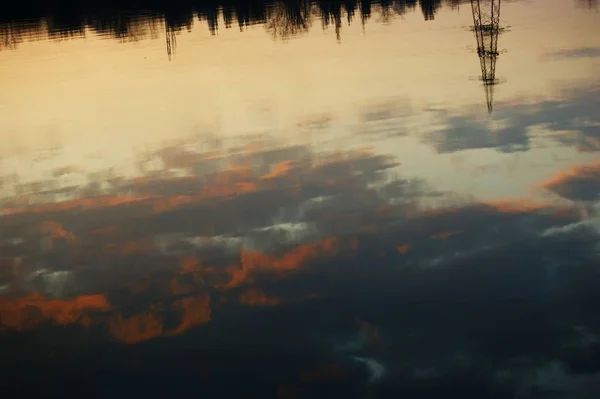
[578,182]
[82,203]
[165,204]
[255,297]
[293,259]
[224,187]
[444,235]
[28,312]
[226,190]
[279,169]
[194,310]
[235,174]
[154,185]
[55,230]
[403,249]
[574,171]
[191,311]
[137,328]
[518,206]
[190,264]
[130,247]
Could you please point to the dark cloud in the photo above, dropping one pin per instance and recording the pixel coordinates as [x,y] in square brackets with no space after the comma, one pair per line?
[582,52]
[572,121]
[580,183]
[297,280]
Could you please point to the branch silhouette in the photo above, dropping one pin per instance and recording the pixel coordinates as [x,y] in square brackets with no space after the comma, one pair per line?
[133,20]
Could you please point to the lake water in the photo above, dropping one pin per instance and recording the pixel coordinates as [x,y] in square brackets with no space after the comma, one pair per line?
[300,200]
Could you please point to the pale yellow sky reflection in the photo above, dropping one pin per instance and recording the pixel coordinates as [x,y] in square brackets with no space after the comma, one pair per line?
[98,96]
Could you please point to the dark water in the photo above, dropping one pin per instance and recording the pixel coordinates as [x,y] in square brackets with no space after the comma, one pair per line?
[350,199]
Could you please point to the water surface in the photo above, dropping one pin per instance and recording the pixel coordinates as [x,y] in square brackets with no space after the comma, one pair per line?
[300,200]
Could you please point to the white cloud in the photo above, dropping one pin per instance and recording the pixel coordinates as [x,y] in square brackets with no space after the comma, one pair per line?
[376,369]
[591,219]
[553,379]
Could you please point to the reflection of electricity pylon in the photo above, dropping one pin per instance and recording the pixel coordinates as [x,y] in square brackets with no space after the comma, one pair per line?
[171,40]
[486,25]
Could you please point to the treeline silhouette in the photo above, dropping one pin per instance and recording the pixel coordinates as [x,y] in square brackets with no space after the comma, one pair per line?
[591,4]
[138,19]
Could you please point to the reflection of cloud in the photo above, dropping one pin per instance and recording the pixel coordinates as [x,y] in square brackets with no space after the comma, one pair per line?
[137,328]
[56,231]
[336,227]
[189,311]
[584,225]
[582,52]
[572,120]
[403,249]
[324,372]
[385,118]
[339,230]
[56,284]
[316,122]
[316,183]
[65,170]
[580,183]
[444,235]
[369,332]
[255,297]
[193,310]
[31,311]
[252,261]
[323,380]
[376,369]
[554,380]
[74,205]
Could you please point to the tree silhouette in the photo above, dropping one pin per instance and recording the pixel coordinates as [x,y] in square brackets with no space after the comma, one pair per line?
[133,20]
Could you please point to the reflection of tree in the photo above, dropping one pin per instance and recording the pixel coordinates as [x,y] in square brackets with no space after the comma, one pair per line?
[331,14]
[287,19]
[591,4]
[10,35]
[125,27]
[136,21]
[429,8]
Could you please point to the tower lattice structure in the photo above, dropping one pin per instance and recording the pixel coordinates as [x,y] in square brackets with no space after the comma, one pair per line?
[486,26]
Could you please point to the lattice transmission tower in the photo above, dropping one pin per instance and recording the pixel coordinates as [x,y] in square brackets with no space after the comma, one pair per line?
[486,26]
